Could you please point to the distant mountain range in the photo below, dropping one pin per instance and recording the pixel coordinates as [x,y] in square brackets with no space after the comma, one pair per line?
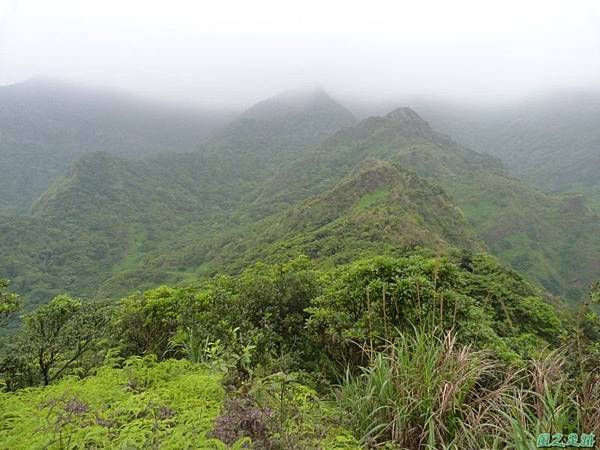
[295,174]
[550,141]
[45,124]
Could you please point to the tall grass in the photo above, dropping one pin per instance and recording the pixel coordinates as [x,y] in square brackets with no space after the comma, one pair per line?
[424,391]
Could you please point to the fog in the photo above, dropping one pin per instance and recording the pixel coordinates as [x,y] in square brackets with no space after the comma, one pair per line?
[233,53]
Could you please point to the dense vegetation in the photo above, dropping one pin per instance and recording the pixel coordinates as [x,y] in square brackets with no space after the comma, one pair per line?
[409,352]
[300,281]
[274,185]
[46,124]
[551,141]
[172,404]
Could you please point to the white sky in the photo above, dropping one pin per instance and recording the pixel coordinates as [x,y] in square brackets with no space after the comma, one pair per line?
[236,52]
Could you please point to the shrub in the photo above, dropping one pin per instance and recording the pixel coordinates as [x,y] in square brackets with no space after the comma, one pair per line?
[171,404]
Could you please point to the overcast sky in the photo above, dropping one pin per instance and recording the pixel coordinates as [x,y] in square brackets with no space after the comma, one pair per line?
[234,53]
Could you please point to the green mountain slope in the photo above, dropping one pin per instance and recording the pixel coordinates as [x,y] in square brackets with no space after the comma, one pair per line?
[135,223]
[111,226]
[551,141]
[555,239]
[376,209]
[552,239]
[45,124]
[116,225]
[106,215]
[401,137]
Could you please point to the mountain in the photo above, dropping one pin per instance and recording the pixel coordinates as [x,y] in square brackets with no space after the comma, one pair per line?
[221,175]
[401,137]
[111,226]
[551,141]
[376,209]
[106,216]
[554,239]
[45,124]
[279,130]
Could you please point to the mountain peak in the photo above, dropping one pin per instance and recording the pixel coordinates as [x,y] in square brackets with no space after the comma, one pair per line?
[404,113]
[409,122]
[297,102]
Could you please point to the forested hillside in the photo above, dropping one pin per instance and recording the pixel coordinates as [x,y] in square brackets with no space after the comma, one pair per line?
[45,124]
[135,223]
[551,141]
[261,189]
[551,238]
[301,280]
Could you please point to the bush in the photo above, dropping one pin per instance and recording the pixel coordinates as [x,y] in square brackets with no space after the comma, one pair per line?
[171,404]
[145,322]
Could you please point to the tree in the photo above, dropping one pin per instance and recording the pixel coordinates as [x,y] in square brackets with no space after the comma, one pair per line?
[9,303]
[57,335]
[145,322]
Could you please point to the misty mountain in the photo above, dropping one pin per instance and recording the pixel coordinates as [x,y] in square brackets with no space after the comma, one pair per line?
[45,124]
[111,225]
[107,212]
[275,183]
[555,239]
[280,129]
[401,137]
[551,141]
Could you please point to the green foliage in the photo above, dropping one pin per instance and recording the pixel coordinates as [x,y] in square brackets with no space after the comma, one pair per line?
[369,301]
[145,404]
[144,323]
[515,305]
[424,391]
[10,303]
[55,339]
[595,292]
[261,309]
[298,417]
[437,353]
[285,316]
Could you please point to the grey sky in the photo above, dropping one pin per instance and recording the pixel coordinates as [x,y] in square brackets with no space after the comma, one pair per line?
[236,52]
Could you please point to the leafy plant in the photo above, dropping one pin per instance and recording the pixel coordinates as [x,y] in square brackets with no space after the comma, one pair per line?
[10,303]
[54,340]
[171,404]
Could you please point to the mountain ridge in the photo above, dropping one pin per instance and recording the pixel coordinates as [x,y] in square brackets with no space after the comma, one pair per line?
[46,124]
[381,185]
